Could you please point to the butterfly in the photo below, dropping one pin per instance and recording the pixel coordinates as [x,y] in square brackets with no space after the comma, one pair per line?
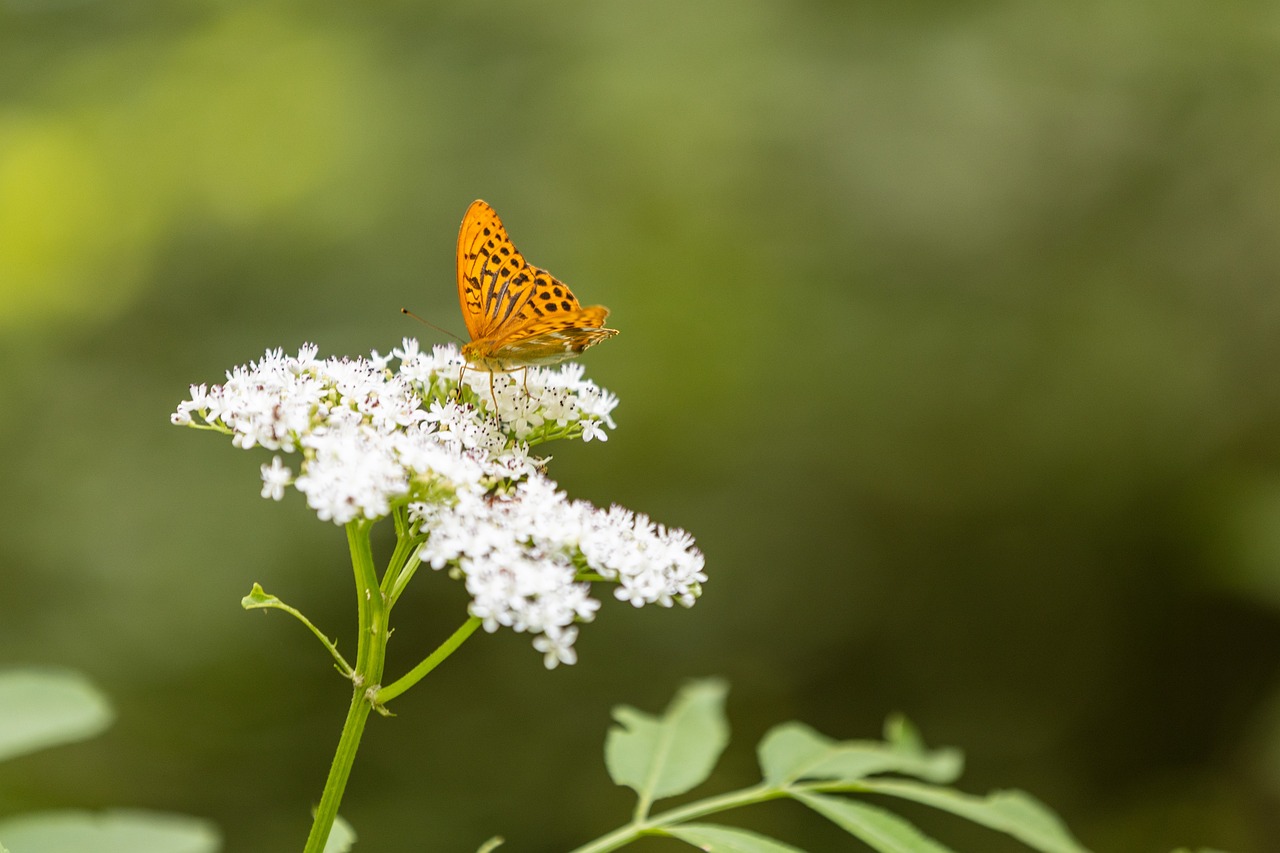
[517,315]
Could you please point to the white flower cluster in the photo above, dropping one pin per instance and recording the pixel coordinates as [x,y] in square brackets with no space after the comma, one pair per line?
[523,553]
[372,438]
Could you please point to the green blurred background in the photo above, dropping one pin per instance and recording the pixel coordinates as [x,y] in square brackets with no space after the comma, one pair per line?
[949,329]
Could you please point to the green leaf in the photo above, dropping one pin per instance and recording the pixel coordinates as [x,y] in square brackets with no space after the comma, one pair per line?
[341,837]
[899,732]
[118,831]
[259,597]
[668,756]
[727,839]
[879,829]
[45,707]
[1014,813]
[491,845]
[793,751]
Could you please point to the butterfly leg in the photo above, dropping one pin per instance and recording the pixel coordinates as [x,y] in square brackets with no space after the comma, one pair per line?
[527,395]
[493,395]
[457,392]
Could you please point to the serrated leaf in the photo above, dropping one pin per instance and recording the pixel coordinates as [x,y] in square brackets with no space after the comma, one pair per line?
[879,829]
[793,751]
[341,837]
[1014,813]
[118,831]
[713,838]
[663,757]
[41,707]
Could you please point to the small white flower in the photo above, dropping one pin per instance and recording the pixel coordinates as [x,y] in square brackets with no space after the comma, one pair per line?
[591,429]
[557,647]
[306,356]
[274,479]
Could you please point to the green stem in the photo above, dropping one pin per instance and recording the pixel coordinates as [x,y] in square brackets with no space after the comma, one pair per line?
[339,772]
[624,835]
[371,653]
[406,573]
[413,676]
[368,597]
[658,824]
[405,548]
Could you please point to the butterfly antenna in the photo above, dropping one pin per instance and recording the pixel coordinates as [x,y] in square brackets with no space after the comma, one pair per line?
[409,313]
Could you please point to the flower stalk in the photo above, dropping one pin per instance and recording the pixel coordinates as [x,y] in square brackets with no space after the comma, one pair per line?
[371,654]
[374,611]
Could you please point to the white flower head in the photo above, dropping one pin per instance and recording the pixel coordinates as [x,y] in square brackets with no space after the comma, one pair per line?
[529,556]
[373,431]
[451,443]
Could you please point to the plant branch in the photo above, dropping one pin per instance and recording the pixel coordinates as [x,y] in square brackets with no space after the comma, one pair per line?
[260,599]
[413,676]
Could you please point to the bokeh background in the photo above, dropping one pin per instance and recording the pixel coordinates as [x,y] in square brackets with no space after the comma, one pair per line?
[951,330]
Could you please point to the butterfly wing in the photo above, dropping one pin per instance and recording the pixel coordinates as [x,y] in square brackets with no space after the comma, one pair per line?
[552,338]
[494,281]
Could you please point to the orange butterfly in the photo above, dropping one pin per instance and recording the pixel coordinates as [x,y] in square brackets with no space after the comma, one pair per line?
[517,315]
